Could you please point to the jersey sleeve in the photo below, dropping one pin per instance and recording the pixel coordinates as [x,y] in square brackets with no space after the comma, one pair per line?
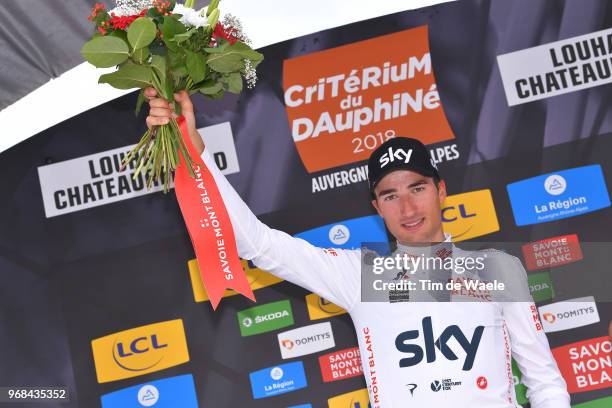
[546,388]
[331,273]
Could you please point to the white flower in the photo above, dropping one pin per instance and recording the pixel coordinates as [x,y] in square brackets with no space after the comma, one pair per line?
[130,7]
[190,16]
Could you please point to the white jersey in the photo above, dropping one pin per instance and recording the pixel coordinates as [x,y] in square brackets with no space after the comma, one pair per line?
[432,354]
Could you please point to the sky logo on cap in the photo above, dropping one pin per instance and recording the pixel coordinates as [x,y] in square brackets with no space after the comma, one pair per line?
[278,380]
[469,215]
[167,393]
[347,234]
[395,154]
[555,196]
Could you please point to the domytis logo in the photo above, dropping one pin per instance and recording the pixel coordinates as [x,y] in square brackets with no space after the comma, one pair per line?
[549,317]
[288,344]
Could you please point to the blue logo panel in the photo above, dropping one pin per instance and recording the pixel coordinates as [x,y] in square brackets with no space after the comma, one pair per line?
[558,195]
[278,380]
[348,234]
[301,406]
[171,392]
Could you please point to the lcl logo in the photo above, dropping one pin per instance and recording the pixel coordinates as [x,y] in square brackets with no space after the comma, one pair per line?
[452,213]
[139,346]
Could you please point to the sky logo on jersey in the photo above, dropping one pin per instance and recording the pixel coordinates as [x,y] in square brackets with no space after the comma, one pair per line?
[355,399]
[320,308]
[559,195]
[586,365]
[569,314]
[258,278]
[278,380]
[541,286]
[265,318]
[306,340]
[469,215]
[139,351]
[470,347]
[347,234]
[341,364]
[167,393]
[551,252]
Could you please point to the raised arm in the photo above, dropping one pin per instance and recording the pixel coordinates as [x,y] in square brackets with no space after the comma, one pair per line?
[333,274]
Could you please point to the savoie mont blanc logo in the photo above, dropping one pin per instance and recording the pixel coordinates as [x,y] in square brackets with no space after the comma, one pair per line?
[558,195]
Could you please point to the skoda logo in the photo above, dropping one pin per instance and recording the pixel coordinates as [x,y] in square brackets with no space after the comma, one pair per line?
[339,234]
[555,184]
[247,322]
[148,396]
[436,386]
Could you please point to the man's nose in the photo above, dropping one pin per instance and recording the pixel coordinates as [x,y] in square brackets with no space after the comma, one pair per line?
[407,206]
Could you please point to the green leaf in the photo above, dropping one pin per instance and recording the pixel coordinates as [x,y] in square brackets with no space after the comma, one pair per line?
[234,83]
[120,34]
[129,76]
[230,59]
[158,63]
[139,102]
[195,66]
[226,62]
[105,52]
[172,27]
[179,38]
[141,32]
[211,87]
[141,55]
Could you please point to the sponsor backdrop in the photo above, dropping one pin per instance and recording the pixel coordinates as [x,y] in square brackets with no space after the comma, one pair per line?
[100,290]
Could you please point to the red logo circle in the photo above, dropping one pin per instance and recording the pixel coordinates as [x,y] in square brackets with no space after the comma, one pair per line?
[481,382]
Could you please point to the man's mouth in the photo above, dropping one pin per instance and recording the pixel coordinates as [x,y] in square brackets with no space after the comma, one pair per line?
[413,224]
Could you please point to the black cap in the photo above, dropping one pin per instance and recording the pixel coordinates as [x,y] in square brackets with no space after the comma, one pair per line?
[400,153]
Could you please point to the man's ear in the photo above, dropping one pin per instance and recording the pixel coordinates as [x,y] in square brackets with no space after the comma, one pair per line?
[441,191]
[375,205]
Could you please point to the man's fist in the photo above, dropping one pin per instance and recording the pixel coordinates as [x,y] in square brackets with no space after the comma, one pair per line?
[160,112]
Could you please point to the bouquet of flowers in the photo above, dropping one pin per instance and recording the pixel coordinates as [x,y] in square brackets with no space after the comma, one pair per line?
[171,47]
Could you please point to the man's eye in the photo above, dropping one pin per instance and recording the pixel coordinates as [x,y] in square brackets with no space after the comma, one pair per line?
[389,197]
[418,189]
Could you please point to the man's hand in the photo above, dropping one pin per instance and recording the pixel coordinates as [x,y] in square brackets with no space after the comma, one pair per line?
[160,112]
